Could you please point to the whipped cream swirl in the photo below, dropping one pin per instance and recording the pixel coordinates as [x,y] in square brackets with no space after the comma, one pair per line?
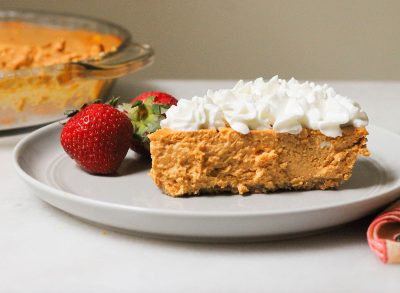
[284,106]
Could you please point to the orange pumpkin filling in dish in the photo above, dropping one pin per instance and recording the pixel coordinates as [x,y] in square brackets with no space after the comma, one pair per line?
[26,45]
[31,90]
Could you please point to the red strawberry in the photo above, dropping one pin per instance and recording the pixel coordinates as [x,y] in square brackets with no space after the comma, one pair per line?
[159,98]
[145,112]
[97,138]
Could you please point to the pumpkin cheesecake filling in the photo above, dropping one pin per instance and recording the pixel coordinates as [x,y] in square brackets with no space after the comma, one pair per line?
[25,45]
[30,91]
[258,137]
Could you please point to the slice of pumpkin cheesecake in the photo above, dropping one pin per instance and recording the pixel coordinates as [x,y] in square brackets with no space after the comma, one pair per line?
[258,137]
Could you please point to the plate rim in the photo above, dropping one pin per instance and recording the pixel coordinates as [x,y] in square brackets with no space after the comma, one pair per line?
[68,196]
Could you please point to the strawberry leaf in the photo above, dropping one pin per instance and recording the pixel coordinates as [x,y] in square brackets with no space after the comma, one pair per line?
[156,109]
[113,102]
[137,103]
[70,113]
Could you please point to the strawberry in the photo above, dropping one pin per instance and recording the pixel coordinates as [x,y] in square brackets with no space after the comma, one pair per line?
[97,138]
[145,112]
[159,98]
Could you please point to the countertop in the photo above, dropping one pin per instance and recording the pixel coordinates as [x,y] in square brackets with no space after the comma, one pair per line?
[43,249]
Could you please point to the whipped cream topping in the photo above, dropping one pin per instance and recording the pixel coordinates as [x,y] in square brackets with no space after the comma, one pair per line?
[284,106]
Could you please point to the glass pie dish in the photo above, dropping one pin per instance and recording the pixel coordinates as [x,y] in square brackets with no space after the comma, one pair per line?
[38,95]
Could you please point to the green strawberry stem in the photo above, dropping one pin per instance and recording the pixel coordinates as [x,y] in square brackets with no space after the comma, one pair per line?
[145,117]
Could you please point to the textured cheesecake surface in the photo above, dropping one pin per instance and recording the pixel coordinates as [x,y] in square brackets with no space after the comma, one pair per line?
[213,161]
[38,95]
[27,45]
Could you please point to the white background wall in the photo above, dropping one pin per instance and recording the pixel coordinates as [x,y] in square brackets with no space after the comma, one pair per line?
[320,39]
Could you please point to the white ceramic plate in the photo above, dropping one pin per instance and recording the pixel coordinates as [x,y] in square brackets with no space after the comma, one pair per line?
[131,202]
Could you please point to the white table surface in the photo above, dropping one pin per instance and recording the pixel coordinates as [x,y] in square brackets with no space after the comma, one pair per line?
[43,249]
